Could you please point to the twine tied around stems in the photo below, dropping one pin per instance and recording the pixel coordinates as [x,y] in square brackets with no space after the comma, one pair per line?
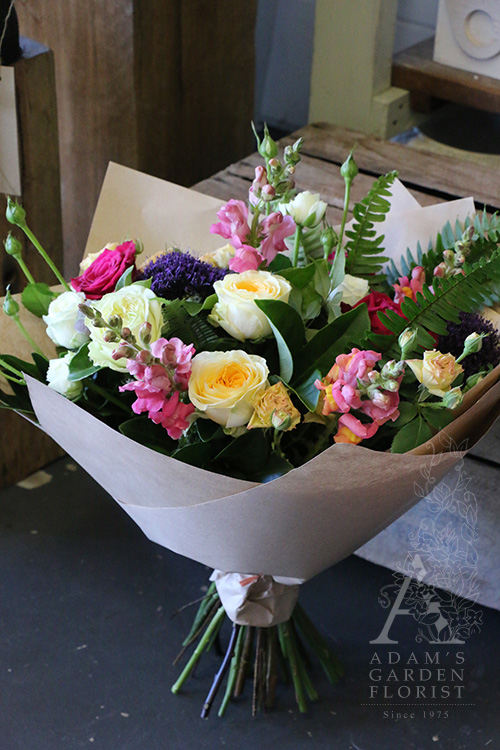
[256,600]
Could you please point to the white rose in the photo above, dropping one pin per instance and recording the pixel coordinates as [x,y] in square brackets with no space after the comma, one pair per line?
[62,315]
[305,209]
[135,304]
[225,385]
[353,289]
[236,311]
[220,257]
[57,377]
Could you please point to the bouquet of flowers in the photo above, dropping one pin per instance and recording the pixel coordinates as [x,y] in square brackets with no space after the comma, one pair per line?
[248,401]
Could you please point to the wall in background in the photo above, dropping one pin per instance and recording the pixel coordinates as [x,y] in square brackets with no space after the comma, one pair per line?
[284,44]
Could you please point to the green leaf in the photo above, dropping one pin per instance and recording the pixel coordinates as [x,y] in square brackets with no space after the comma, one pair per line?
[125,279]
[337,272]
[288,330]
[81,365]
[407,412]
[194,308]
[307,392]
[279,263]
[300,276]
[247,454]
[144,431]
[438,418]
[37,297]
[412,434]
[208,430]
[197,454]
[346,331]
[275,467]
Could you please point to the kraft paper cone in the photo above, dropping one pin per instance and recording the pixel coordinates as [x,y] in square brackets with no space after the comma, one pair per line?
[295,526]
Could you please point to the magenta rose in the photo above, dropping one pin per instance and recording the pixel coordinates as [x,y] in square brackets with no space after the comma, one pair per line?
[378,302]
[101,276]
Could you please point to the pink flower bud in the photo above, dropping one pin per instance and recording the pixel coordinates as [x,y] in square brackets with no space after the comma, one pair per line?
[439,271]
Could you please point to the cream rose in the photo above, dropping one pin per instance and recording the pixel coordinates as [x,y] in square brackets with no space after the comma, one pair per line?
[135,304]
[353,289]
[57,377]
[436,371]
[219,258]
[61,318]
[236,311]
[225,385]
[306,209]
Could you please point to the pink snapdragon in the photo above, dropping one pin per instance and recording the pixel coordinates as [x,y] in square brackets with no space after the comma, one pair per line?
[233,221]
[409,287]
[246,258]
[353,384]
[273,230]
[259,182]
[160,376]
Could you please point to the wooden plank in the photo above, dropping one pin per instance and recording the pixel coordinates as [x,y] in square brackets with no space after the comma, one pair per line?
[415,70]
[440,176]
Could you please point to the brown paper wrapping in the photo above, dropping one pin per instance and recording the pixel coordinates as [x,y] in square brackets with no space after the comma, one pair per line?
[295,526]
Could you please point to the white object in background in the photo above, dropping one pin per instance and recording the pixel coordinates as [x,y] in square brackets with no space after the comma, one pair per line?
[10,173]
[468,36]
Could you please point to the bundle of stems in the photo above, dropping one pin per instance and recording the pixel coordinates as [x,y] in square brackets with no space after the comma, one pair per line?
[263,654]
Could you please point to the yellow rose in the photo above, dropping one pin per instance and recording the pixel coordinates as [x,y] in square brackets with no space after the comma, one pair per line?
[435,371]
[219,258]
[275,409]
[236,311]
[135,304]
[225,385]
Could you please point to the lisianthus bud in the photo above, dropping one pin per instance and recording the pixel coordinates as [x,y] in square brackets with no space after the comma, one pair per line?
[13,246]
[10,306]
[15,213]
[453,398]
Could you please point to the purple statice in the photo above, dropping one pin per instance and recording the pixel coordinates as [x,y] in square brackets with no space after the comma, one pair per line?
[453,342]
[177,275]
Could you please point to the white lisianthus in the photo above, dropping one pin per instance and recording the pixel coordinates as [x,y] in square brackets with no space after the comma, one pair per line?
[135,304]
[57,377]
[306,209]
[236,311]
[220,257]
[225,385]
[62,315]
[353,289]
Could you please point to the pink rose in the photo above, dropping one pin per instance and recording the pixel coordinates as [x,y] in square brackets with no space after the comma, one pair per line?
[377,302]
[101,276]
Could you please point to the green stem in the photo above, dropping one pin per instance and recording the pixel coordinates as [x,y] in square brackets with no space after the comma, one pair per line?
[14,370]
[322,440]
[91,385]
[24,268]
[219,615]
[347,195]
[28,338]
[255,224]
[296,245]
[292,655]
[27,231]
[233,671]
[331,665]
[12,378]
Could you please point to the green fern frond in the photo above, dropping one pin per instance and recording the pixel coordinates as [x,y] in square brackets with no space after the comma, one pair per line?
[192,329]
[364,249]
[435,307]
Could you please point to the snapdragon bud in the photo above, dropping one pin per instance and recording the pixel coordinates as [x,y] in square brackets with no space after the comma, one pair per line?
[274,163]
[373,376]
[15,213]
[391,385]
[144,358]
[127,334]
[393,369]
[88,311]
[10,306]
[440,270]
[468,234]
[453,398]
[268,193]
[115,321]
[110,337]
[145,333]
[123,352]
[449,257]
[13,246]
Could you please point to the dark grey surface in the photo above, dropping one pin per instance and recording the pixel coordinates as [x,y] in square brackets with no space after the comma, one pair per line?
[87,644]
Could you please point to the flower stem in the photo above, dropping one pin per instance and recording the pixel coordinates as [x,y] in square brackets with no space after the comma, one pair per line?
[216,622]
[291,654]
[12,369]
[24,268]
[28,338]
[233,670]
[27,231]
[91,385]
[296,245]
